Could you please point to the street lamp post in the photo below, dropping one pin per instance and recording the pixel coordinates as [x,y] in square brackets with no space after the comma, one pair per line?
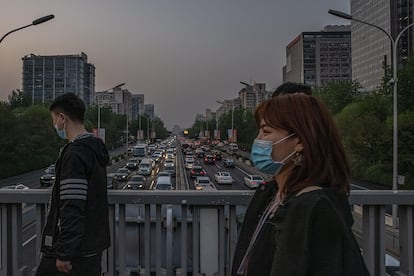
[148,129]
[394,82]
[127,134]
[34,22]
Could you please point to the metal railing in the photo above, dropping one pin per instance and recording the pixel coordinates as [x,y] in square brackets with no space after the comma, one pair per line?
[187,232]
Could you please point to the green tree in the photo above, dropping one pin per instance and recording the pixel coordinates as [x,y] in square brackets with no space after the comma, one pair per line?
[405,146]
[19,99]
[28,139]
[338,94]
[406,87]
[366,137]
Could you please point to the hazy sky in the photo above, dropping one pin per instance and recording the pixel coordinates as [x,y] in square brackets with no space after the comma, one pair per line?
[182,54]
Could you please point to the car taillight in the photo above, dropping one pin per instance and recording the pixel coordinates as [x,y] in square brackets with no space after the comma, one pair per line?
[202,173]
[192,172]
[253,182]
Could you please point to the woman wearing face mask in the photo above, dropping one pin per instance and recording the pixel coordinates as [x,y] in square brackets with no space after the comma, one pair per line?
[299,223]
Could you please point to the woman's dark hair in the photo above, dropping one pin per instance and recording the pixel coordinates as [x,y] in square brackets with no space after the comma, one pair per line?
[71,105]
[324,160]
[292,87]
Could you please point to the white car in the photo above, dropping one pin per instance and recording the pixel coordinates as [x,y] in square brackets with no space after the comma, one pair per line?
[253,181]
[189,158]
[189,164]
[223,178]
[18,186]
[203,183]
[163,183]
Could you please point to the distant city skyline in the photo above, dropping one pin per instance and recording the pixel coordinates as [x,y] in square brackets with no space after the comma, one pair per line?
[182,55]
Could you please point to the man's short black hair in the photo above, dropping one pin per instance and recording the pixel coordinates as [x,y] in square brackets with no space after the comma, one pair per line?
[292,87]
[71,105]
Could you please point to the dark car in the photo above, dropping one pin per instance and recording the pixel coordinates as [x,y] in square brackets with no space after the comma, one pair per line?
[218,155]
[48,178]
[197,171]
[132,164]
[121,176]
[229,163]
[171,170]
[209,159]
[136,182]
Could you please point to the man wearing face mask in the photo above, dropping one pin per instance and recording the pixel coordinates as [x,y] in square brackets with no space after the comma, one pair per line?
[298,224]
[77,226]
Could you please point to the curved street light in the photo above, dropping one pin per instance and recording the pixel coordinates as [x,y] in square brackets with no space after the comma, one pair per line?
[394,83]
[34,22]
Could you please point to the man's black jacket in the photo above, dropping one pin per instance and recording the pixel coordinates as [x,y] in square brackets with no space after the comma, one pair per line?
[77,223]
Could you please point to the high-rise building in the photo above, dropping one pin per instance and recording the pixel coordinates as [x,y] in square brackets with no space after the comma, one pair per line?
[252,95]
[119,100]
[315,58]
[371,48]
[149,110]
[137,106]
[47,77]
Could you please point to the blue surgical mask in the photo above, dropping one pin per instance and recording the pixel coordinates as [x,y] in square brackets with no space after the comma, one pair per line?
[61,132]
[262,156]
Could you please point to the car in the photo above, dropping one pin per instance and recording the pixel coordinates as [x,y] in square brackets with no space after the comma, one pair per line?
[169,163]
[197,171]
[151,148]
[203,183]
[253,181]
[218,155]
[223,178]
[233,147]
[132,164]
[163,183]
[199,153]
[209,159]
[169,155]
[119,178]
[189,164]
[189,158]
[170,170]
[136,182]
[18,186]
[50,169]
[121,175]
[48,179]
[123,170]
[229,163]
[146,166]
[164,173]
[157,155]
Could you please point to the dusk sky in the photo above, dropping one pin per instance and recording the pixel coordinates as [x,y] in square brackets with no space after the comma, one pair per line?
[182,54]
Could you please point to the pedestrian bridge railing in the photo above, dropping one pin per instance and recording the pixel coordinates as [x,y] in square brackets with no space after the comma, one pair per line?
[190,232]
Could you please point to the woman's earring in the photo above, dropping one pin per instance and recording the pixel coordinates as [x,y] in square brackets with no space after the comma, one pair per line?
[297,159]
